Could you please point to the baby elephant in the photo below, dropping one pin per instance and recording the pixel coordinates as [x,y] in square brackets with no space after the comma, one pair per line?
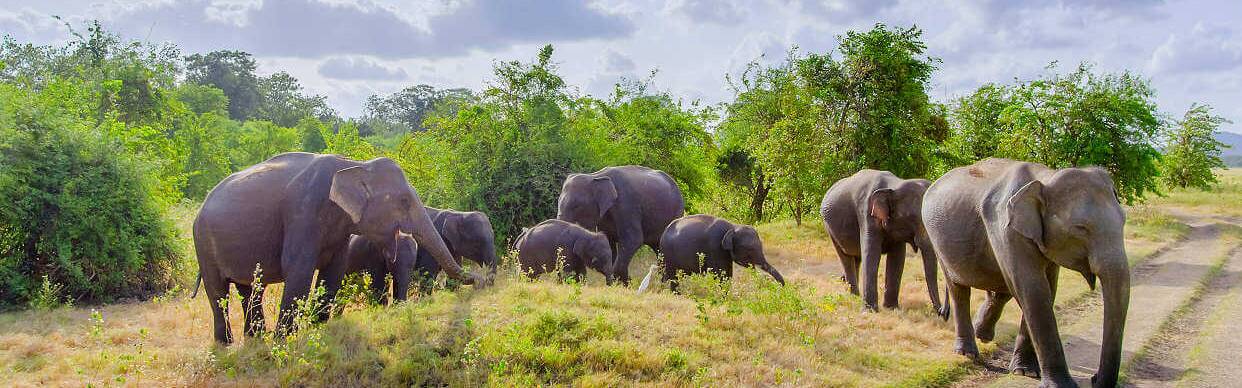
[466,234]
[539,246]
[721,242]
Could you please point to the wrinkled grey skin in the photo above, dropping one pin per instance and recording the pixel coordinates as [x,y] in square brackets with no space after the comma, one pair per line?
[292,215]
[630,204]
[721,244]
[872,213]
[539,246]
[363,256]
[1007,227]
[468,235]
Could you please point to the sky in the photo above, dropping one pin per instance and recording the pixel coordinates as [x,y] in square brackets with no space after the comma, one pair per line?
[350,49]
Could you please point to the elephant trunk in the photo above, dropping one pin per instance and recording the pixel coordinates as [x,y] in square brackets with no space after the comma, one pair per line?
[427,237]
[929,272]
[401,285]
[772,271]
[1115,283]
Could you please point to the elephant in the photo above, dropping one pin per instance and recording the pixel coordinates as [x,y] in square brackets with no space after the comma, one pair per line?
[363,256]
[720,242]
[631,205]
[293,214]
[466,234]
[540,247]
[872,213]
[1007,227]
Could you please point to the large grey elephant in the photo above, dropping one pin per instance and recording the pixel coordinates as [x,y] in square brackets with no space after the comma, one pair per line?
[721,244]
[293,214]
[630,204]
[555,245]
[872,213]
[1007,227]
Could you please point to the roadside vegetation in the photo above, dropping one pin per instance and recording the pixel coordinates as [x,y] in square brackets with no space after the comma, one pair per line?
[108,145]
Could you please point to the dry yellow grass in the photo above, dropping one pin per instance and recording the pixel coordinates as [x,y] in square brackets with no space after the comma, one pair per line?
[811,333]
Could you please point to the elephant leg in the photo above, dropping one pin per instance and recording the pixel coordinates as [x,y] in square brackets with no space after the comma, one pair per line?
[1024,361]
[989,313]
[849,264]
[870,268]
[626,247]
[965,343]
[298,262]
[1035,296]
[379,287]
[894,265]
[217,290]
[252,308]
[332,278]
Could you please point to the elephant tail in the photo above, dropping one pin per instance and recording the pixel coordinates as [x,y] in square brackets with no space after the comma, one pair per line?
[197,280]
[945,308]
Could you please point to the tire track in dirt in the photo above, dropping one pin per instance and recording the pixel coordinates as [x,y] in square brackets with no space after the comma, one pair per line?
[1163,362]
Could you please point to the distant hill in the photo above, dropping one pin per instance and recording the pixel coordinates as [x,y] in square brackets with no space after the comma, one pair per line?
[1233,155]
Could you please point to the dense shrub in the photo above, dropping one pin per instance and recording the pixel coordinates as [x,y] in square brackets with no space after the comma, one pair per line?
[75,207]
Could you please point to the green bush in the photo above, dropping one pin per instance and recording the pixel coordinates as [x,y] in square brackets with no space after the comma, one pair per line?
[76,207]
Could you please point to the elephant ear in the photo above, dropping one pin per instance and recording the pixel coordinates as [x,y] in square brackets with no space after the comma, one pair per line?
[879,206]
[1026,213]
[726,241]
[350,191]
[605,193]
[580,248]
[452,229]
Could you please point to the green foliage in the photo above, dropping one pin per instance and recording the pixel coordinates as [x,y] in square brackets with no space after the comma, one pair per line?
[1193,150]
[202,99]
[257,141]
[233,73]
[1066,120]
[312,131]
[78,208]
[405,110]
[813,119]
[346,142]
[508,152]
[205,139]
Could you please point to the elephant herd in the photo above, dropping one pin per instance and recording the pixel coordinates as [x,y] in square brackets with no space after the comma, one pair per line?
[1002,226]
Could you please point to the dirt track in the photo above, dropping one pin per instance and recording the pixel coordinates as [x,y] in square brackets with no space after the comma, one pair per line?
[1169,338]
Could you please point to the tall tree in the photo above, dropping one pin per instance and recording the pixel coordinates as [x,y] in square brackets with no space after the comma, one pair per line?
[406,109]
[285,103]
[1193,150]
[232,72]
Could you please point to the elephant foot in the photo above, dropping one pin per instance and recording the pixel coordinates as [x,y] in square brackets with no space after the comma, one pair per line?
[985,333]
[967,347]
[1065,382]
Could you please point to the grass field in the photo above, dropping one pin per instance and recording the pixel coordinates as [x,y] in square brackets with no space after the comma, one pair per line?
[752,332]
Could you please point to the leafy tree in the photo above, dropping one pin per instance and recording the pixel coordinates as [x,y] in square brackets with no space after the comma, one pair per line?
[637,126]
[1083,118]
[206,139]
[78,208]
[259,140]
[285,103]
[233,73]
[405,110]
[875,98]
[312,134]
[1193,150]
[202,99]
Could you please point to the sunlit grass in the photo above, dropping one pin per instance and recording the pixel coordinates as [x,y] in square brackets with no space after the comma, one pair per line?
[750,332]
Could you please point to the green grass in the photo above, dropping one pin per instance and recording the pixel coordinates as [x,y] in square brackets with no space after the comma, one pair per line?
[746,332]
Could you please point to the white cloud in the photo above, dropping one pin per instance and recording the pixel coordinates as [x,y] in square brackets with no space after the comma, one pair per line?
[1208,48]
